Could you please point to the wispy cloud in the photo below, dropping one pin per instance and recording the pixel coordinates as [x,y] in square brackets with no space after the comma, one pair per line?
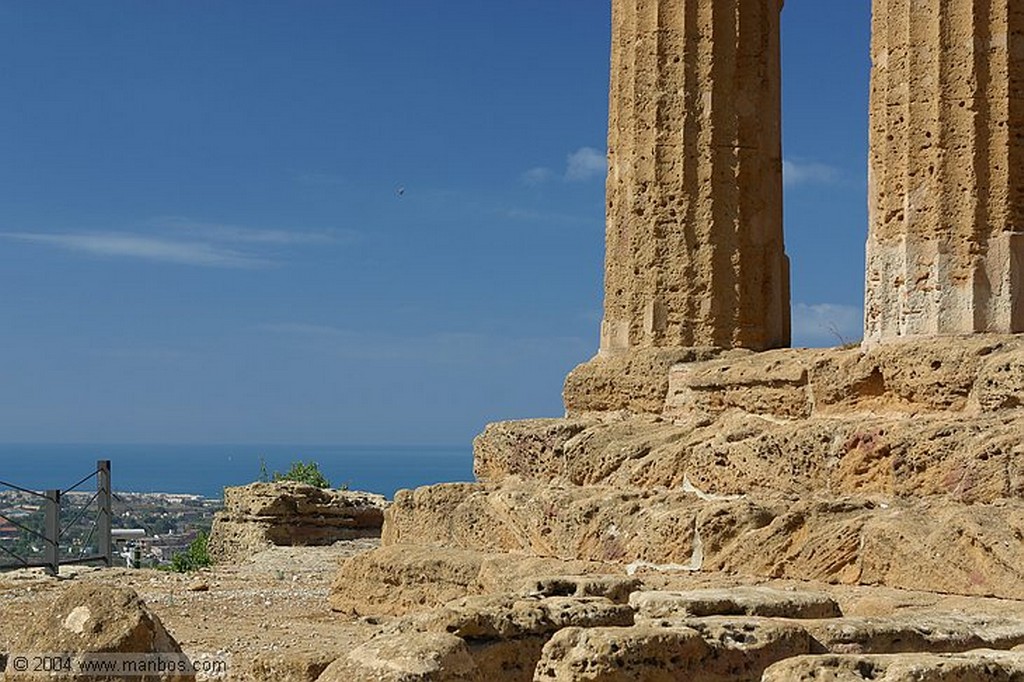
[537,176]
[221,232]
[125,245]
[584,164]
[826,324]
[183,241]
[799,172]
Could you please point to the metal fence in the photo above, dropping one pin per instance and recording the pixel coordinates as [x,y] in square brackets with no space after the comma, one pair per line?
[54,529]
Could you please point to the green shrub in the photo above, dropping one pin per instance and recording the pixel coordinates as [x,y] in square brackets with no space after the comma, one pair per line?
[304,472]
[195,556]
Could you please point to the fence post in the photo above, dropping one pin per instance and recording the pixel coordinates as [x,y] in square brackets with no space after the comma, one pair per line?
[104,515]
[52,531]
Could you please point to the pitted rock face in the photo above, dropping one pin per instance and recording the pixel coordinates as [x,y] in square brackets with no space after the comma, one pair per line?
[694,250]
[261,515]
[945,252]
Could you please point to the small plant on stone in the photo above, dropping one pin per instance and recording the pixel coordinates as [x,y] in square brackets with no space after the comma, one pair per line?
[304,472]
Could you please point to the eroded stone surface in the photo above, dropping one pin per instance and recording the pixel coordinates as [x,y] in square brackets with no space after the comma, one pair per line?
[932,544]
[709,652]
[513,616]
[975,666]
[616,588]
[945,249]
[923,632]
[408,657]
[400,578]
[636,381]
[749,601]
[261,515]
[92,618]
[935,417]
[694,221]
[620,654]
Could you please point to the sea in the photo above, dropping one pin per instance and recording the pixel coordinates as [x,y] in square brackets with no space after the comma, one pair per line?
[207,469]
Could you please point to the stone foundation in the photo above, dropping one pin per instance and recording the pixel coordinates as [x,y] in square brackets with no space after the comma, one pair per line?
[261,515]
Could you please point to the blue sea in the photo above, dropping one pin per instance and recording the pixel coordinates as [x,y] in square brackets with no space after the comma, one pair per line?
[207,469]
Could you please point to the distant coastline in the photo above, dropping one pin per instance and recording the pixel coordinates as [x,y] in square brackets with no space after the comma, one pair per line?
[206,469]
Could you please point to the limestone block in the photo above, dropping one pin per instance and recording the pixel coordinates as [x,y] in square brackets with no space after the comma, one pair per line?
[918,632]
[511,616]
[635,381]
[260,515]
[713,650]
[408,657]
[977,458]
[398,579]
[290,666]
[622,654]
[93,618]
[505,633]
[604,525]
[932,544]
[772,383]
[614,587]
[507,449]
[509,572]
[737,601]
[974,666]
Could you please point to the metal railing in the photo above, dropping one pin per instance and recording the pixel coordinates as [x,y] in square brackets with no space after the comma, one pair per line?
[53,502]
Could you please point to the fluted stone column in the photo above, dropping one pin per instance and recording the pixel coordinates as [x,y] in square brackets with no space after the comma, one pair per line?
[694,241]
[945,251]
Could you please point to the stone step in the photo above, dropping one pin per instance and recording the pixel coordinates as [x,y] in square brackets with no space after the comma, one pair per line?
[936,545]
[399,579]
[969,458]
[573,627]
[656,654]
[973,666]
[750,601]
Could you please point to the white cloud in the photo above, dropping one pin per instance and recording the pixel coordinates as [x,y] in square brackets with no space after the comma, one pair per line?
[537,176]
[584,164]
[183,241]
[234,233]
[126,245]
[826,324]
[799,172]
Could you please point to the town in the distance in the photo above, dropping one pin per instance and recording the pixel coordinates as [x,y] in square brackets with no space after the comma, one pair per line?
[160,524]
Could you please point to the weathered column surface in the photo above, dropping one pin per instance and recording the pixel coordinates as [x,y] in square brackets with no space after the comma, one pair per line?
[945,247]
[694,216]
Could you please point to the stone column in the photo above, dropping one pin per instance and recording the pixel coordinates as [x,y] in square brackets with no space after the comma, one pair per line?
[945,246]
[694,193]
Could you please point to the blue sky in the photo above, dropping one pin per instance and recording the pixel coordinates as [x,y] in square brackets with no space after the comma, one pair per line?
[346,222]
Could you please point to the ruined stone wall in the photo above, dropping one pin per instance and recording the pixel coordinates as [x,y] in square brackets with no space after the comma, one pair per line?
[694,215]
[945,252]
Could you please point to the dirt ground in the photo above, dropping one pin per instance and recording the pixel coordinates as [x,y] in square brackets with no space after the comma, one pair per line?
[269,616]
